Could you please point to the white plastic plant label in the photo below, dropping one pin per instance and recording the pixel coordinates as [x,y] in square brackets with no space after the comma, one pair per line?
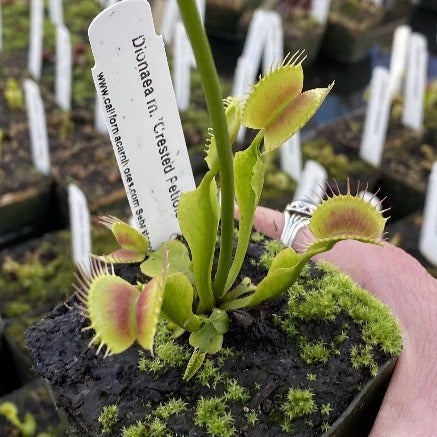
[370,197]
[398,60]
[80,227]
[34,60]
[377,115]
[428,233]
[56,12]
[312,183]
[171,16]
[133,80]
[99,117]
[63,68]
[37,127]
[415,82]
[181,67]
[320,10]
[274,43]
[291,157]
[256,37]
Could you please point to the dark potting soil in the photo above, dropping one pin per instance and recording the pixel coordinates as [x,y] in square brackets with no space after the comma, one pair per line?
[81,156]
[259,357]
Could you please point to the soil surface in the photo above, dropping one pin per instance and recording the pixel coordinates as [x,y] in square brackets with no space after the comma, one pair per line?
[264,361]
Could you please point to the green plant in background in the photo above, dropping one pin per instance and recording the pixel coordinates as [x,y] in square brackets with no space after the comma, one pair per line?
[27,428]
[14,95]
[181,287]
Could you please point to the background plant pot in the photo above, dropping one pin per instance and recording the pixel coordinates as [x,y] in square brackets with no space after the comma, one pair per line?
[258,360]
[349,34]
[222,17]
[31,278]
[357,420]
[405,233]
[428,4]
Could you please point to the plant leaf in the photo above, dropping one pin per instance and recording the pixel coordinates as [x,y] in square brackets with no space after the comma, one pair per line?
[220,320]
[207,339]
[233,120]
[346,216]
[178,260]
[111,303]
[248,166]
[198,215]
[293,116]
[272,94]
[177,305]
[133,245]
[194,364]
[123,256]
[148,310]
[285,268]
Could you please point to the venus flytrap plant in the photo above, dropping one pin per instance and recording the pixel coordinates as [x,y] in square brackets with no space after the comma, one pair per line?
[181,287]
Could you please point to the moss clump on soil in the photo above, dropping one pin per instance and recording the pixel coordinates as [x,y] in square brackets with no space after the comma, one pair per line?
[224,402]
[354,10]
[335,295]
[338,165]
[108,417]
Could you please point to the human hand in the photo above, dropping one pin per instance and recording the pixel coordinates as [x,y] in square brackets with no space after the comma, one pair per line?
[398,280]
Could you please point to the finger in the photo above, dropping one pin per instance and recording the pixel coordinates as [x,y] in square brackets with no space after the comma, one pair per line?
[269,222]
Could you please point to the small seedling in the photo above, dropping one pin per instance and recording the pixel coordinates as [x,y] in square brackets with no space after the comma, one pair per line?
[27,427]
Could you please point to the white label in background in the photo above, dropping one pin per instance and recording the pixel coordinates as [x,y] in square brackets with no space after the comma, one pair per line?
[80,227]
[428,233]
[169,21]
[377,114]
[244,77]
[37,127]
[132,78]
[34,60]
[256,37]
[320,10]
[100,117]
[415,82]
[56,12]
[181,67]
[312,182]
[291,157]
[63,68]
[370,197]
[398,58]
[274,43]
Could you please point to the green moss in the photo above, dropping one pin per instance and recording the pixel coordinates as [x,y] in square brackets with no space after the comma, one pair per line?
[251,417]
[362,356]
[338,165]
[108,417]
[298,403]
[314,352]
[168,353]
[235,392]
[326,409]
[330,296]
[170,408]
[311,377]
[212,414]
[272,248]
[209,374]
